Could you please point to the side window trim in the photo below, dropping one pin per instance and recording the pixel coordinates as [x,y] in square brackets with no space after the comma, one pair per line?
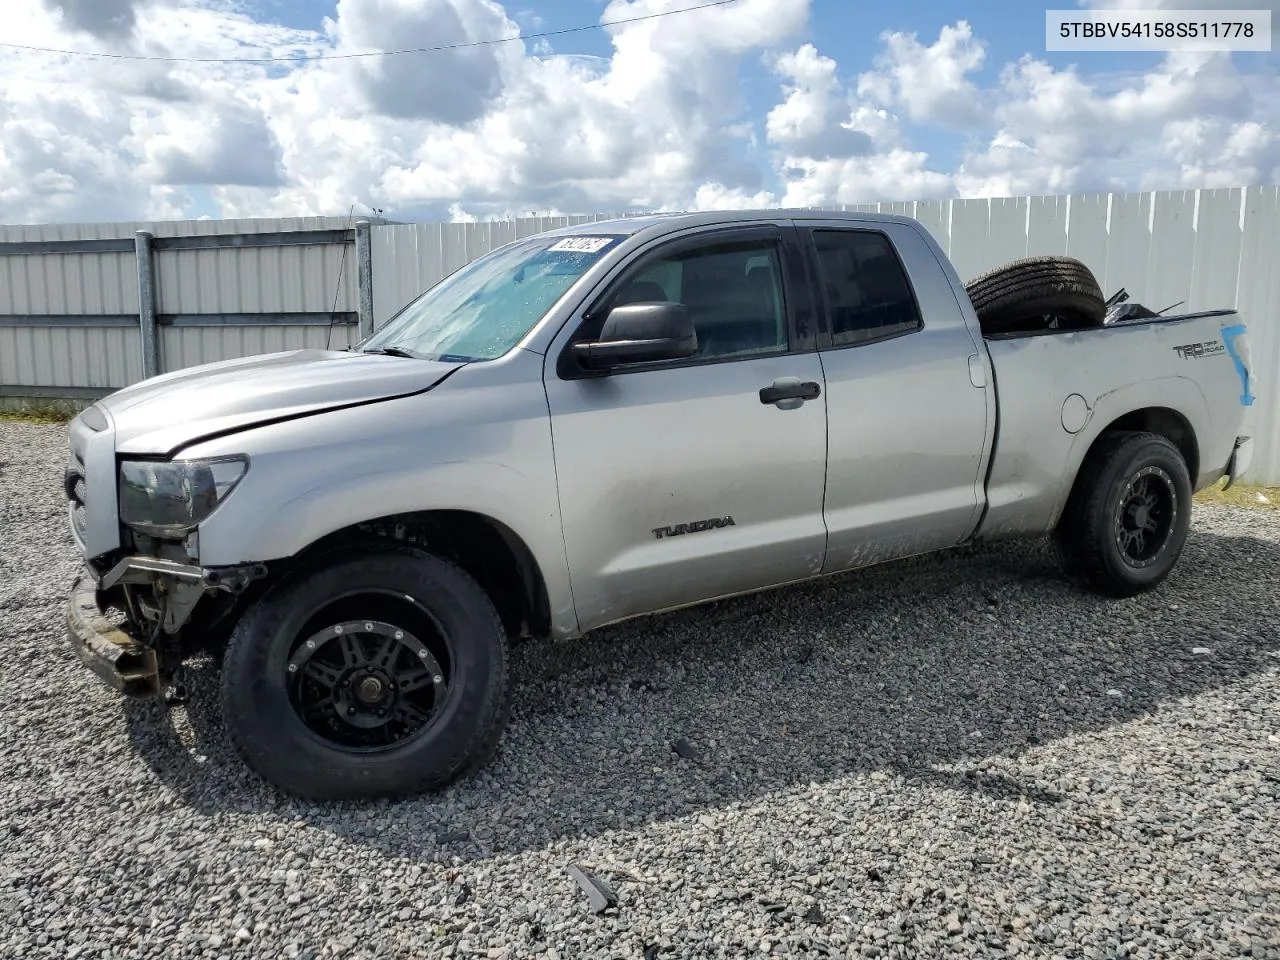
[805,317]
[826,327]
[774,233]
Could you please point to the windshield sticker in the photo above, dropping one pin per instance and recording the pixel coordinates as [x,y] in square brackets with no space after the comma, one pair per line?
[581,244]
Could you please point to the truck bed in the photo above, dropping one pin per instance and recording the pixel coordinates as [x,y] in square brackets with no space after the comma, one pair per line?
[1056,394]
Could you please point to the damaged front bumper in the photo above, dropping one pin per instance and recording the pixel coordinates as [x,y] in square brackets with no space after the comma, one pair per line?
[110,650]
[117,652]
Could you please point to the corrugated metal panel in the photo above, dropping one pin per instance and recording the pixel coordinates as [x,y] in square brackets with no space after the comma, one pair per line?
[190,346]
[166,228]
[284,279]
[86,283]
[69,356]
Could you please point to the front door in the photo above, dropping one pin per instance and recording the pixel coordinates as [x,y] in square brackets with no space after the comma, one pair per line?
[681,481]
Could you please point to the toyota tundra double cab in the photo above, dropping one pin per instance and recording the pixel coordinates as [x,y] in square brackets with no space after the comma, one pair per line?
[608,421]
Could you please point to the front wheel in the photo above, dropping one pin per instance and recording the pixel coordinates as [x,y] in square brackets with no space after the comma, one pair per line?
[376,672]
[1128,516]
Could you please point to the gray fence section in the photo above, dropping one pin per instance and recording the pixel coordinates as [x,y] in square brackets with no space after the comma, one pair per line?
[69,316]
[70,310]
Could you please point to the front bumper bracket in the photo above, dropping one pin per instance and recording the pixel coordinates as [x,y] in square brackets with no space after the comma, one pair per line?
[1241,460]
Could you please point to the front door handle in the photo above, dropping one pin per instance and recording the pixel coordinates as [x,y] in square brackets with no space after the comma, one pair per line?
[790,388]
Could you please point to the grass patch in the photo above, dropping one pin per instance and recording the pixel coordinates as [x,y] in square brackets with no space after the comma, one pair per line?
[49,411]
[46,417]
[1241,495]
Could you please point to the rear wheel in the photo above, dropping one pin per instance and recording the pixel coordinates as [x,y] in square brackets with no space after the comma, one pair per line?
[1128,516]
[377,672]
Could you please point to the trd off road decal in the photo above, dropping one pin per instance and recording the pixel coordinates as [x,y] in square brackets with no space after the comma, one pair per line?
[1195,351]
[697,526]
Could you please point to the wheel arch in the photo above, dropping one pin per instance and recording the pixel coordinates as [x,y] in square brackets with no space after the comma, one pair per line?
[1162,421]
[486,548]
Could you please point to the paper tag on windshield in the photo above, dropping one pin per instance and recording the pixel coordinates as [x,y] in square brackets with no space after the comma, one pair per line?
[581,244]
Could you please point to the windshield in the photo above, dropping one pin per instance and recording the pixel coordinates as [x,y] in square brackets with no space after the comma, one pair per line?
[484,309]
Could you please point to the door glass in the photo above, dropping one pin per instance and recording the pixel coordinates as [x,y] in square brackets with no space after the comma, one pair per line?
[866,288]
[733,292]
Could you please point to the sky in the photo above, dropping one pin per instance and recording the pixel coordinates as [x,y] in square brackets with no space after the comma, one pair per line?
[748,103]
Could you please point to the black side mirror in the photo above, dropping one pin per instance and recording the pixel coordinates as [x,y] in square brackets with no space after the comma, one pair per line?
[640,333]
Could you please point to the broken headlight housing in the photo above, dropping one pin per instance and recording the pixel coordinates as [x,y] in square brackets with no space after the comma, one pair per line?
[168,500]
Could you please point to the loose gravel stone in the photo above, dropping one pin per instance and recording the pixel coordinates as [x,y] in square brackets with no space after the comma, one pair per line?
[916,760]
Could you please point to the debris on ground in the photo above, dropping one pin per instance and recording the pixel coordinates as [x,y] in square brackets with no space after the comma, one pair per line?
[600,896]
[686,749]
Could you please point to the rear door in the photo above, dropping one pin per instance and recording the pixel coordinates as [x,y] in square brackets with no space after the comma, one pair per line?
[907,419]
[686,480]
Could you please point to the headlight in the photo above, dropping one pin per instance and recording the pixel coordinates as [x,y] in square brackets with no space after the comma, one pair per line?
[169,499]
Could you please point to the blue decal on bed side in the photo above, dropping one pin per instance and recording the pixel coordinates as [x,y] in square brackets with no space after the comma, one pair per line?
[1229,335]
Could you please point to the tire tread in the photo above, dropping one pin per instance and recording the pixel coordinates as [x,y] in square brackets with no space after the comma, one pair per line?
[307,781]
[1010,294]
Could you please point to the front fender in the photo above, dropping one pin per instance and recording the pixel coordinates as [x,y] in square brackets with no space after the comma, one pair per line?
[481,442]
[269,529]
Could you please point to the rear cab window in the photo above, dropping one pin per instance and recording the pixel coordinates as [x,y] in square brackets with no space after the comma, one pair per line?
[865,286]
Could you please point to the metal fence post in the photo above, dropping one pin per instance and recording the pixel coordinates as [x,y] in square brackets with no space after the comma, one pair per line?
[364,276]
[147,304]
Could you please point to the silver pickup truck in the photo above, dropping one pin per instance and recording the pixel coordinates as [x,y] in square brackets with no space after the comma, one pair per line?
[608,421]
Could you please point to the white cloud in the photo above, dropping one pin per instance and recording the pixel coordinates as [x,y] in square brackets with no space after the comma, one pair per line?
[234,146]
[931,82]
[898,174]
[449,86]
[101,18]
[1195,120]
[716,196]
[490,128]
[812,119]
[1076,132]
[509,128]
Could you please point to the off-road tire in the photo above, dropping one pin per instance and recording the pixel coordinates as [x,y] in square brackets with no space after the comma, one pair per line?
[1088,536]
[273,740]
[1012,296]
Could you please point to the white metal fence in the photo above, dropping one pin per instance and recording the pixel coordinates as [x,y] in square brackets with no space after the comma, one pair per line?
[1207,248]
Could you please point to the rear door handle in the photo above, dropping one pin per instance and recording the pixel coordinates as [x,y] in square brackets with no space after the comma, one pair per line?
[790,388]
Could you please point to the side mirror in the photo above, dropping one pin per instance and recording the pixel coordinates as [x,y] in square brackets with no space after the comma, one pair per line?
[640,333]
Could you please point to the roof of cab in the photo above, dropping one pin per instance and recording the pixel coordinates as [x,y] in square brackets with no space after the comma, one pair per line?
[667,222]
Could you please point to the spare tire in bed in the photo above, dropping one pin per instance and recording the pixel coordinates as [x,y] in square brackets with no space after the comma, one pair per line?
[1031,293]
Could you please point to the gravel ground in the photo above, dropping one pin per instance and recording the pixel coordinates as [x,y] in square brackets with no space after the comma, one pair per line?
[959,755]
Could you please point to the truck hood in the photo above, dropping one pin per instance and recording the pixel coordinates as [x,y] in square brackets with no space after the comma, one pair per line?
[161,415]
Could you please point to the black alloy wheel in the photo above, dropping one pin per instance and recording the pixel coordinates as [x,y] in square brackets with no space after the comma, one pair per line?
[1145,516]
[366,685]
